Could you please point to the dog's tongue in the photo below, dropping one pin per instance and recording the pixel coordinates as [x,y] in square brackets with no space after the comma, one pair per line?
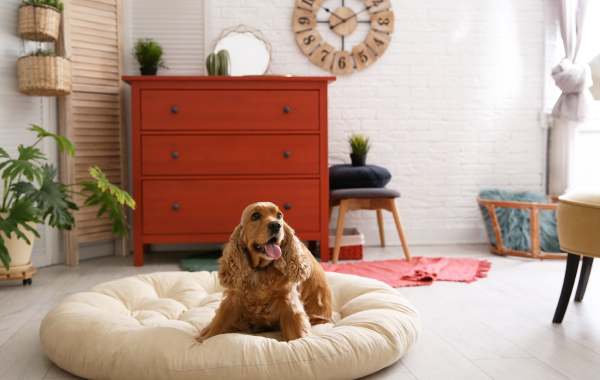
[273,251]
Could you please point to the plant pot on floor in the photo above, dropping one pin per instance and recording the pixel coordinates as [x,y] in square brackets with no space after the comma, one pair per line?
[39,23]
[20,256]
[358,160]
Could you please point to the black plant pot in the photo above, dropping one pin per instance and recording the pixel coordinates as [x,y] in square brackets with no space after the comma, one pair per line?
[358,160]
[148,70]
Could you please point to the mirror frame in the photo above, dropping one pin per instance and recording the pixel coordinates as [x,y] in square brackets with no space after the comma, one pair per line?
[246,29]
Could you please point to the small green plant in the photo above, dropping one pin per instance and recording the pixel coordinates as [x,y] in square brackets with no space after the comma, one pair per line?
[42,53]
[218,63]
[149,55]
[31,194]
[56,4]
[359,144]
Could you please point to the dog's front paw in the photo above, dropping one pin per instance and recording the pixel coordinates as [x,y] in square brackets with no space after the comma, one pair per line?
[204,335]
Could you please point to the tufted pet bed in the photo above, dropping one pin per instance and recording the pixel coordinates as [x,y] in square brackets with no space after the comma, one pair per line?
[143,327]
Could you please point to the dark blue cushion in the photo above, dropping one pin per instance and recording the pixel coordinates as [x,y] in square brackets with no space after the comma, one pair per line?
[352,177]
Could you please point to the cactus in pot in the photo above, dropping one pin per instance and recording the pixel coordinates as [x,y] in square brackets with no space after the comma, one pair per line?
[218,63]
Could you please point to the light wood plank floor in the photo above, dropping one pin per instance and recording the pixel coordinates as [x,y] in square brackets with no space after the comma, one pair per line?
[497,328]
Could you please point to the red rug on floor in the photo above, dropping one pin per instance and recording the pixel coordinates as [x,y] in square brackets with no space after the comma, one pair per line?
[416,272]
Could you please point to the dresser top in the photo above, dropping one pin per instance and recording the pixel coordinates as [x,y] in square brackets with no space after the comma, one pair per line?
[249,78]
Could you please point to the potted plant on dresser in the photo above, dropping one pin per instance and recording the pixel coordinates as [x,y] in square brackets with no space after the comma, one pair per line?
[149,55]
[31,195]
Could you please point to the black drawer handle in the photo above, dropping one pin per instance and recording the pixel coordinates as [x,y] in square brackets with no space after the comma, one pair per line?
[287,154]
[176,206]
[174,109]
[287,206]
[287,109]
[175,155]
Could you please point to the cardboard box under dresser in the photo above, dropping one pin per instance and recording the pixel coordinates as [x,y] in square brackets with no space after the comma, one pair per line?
[203,148]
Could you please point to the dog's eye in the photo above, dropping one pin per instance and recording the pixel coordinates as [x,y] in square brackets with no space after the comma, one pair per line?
[255,216]
[279,215]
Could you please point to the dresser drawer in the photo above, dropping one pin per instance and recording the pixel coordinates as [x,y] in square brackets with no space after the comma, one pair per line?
[215,206]
[230,154]
[229,110]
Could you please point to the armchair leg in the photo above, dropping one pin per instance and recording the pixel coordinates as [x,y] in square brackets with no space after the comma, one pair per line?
[584,276]
[567,288]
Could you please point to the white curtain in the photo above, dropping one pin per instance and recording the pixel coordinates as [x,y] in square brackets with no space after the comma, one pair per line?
[575,103]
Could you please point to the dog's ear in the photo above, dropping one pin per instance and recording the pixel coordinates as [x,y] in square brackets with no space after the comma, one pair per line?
[233,265]
[294,261]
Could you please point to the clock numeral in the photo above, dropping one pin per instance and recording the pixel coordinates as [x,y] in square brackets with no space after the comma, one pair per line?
[323,56]
[375,6]
[377,42]
[383,22]
[309,5]
[343,63]
[363,56]
[308,40]
[303,20]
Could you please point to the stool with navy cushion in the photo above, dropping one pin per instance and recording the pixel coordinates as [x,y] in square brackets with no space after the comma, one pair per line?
[369,198]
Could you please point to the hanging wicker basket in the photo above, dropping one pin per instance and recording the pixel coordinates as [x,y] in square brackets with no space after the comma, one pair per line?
[44,75]
[39,23]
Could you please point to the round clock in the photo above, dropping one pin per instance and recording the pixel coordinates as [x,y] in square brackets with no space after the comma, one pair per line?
[342,19]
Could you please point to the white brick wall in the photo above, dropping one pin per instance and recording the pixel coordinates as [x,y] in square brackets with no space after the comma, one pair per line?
[451,108]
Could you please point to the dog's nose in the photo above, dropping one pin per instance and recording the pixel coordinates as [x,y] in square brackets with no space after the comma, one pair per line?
[274,227]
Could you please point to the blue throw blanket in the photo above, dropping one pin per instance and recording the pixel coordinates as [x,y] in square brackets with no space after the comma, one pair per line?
[514,223]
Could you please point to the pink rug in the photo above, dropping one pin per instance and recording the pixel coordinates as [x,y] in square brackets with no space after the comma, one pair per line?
[416,272]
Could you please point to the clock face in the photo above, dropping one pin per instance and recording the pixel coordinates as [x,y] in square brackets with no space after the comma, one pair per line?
[342,36]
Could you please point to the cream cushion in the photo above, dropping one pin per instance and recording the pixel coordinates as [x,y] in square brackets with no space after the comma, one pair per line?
[143,327]
[578,223]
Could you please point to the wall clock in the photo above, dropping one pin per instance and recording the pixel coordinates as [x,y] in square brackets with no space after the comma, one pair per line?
[371,21]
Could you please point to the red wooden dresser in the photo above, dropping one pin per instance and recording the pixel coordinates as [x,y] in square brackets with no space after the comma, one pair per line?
[205,147]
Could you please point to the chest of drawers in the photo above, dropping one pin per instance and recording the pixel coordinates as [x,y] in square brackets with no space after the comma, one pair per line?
[205,147]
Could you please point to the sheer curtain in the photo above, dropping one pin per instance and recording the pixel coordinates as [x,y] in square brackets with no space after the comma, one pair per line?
[574,105]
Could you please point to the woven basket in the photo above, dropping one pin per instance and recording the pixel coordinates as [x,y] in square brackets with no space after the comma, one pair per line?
[44,75]
[39,23]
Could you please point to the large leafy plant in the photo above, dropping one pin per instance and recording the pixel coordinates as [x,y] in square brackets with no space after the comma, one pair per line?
[31,194]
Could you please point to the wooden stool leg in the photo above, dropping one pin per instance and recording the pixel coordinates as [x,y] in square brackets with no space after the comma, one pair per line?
[394,210]
[567,288]
[584,276]
[380,225]
[339,230]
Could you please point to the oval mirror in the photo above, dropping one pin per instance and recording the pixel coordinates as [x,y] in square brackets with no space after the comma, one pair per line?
[249,52]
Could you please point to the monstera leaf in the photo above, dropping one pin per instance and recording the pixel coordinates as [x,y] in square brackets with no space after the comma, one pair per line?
[52,199]
[110,199]
[63,143]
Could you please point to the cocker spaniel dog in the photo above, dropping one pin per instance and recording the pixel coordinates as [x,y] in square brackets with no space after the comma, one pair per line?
[271,279]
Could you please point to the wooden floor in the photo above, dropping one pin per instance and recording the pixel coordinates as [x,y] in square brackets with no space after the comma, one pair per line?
[497,328]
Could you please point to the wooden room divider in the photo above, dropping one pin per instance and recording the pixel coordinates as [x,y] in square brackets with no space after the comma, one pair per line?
[92,115]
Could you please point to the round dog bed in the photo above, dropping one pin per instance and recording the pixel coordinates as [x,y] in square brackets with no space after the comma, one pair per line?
[143,327]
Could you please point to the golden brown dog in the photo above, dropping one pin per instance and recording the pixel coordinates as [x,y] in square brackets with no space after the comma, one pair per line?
[271,279]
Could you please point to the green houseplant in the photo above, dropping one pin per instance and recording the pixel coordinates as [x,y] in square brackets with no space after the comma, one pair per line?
[218,63]
[149,55]
[360,146]
[32,195]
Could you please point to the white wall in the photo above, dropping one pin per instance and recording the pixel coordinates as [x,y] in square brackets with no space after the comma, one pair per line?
[452,107]
[18,111]
[177,25]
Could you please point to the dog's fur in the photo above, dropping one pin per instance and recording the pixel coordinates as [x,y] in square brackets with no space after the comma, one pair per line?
[261,293]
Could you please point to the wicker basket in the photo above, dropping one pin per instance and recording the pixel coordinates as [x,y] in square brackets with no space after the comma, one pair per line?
[44,75]
[39,23]
[534,210]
